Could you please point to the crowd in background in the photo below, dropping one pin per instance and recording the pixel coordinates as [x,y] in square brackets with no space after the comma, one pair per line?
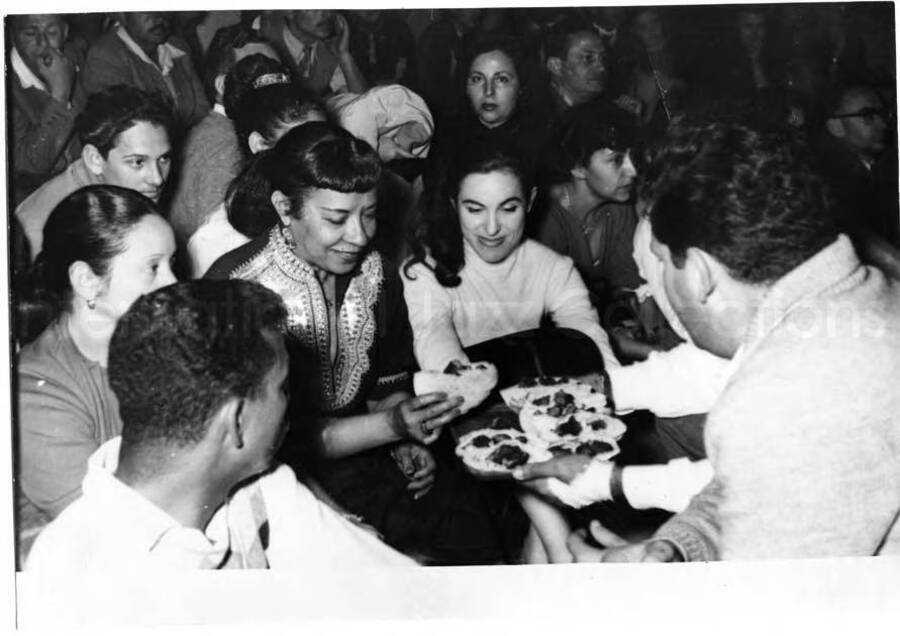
[771,65]
[233,125]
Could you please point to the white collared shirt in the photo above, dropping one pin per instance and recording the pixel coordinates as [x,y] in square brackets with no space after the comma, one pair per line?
[166,52]
[113,528]
[26,76]
[299,52]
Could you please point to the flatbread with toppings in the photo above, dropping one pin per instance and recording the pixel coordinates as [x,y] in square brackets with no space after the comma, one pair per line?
[563,417]
[526,389]
[473,382]
[598,447]
[496,452]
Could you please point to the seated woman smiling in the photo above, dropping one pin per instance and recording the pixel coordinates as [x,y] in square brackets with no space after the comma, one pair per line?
[354,423]
[474,278]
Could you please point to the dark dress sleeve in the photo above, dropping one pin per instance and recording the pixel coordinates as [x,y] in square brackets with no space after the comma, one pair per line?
[394,360]
[226,264]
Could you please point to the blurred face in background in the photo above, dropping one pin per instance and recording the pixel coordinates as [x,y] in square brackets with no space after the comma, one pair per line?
[35,35]
[862,123]
[493,88]
[467,19]
[582,74]
[315,24]
[752,30]
[648,28]
[148,29]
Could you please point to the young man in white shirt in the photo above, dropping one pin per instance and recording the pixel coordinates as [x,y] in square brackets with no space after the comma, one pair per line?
[200,371]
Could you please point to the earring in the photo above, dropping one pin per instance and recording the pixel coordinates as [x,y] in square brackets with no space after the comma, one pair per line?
[288,236]
[92,303]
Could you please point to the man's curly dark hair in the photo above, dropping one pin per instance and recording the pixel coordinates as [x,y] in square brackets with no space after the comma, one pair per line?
[114,110]
[749,199]
[181,351]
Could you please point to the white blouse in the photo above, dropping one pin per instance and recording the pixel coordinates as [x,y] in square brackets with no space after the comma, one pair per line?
[495,300]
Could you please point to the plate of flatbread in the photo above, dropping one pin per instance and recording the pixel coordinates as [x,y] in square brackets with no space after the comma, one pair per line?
[495,453]
[563,416]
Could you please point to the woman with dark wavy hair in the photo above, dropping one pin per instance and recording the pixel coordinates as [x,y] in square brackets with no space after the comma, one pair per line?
[104,246]
[493,103]
[474,280]
[473,275]
[354,422]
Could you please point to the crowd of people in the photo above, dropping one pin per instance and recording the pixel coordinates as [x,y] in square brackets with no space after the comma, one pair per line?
[688,207]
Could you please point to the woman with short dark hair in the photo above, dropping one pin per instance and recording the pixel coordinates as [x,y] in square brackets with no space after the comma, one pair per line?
[474,280]
[354,422]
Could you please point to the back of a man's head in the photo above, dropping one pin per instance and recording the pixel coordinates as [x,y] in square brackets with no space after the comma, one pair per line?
[182,351]
[750,200]
[112,111]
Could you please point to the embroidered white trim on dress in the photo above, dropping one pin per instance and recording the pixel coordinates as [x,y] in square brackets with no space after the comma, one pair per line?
[279,269]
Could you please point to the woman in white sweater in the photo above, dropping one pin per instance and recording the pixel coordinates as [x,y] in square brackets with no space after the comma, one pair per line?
[473,277]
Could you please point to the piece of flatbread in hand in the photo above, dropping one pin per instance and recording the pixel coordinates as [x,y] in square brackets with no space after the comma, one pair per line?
[473,382]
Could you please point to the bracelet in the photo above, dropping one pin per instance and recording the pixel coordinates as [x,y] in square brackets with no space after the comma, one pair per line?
[615,485]
[608,390]
[395,421]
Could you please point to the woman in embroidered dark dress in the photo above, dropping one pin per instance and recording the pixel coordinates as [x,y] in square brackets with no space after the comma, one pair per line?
[354,424]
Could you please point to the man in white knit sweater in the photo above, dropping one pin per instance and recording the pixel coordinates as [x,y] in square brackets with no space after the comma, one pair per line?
[804,440]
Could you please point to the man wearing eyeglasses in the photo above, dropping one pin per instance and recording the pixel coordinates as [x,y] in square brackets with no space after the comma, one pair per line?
[859,160]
